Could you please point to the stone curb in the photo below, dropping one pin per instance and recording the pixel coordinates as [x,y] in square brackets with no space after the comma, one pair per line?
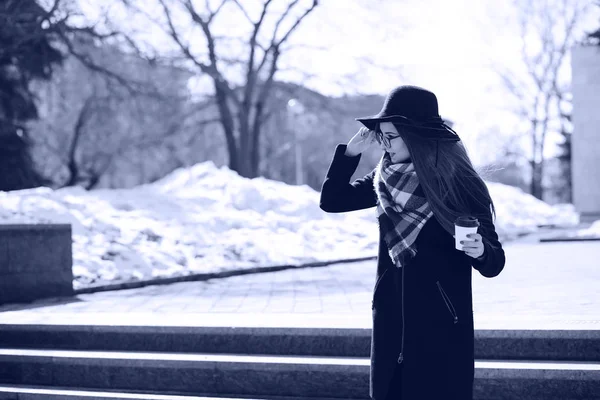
[489,344]
[265,377]
[212,275]
[570,239]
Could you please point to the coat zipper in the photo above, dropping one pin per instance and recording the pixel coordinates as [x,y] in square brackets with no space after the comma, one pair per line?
[448,302]
[401,356]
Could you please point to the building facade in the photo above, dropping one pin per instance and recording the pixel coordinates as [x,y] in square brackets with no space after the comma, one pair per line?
[586,132]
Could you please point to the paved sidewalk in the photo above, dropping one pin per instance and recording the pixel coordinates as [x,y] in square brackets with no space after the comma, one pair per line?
[556,284]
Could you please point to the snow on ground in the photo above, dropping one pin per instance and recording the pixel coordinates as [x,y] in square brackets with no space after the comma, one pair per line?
[208,219]
[592,232]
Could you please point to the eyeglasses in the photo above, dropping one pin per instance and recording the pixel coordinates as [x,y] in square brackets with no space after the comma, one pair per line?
[381,138]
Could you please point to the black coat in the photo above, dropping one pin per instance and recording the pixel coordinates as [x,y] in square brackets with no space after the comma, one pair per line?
[430,297]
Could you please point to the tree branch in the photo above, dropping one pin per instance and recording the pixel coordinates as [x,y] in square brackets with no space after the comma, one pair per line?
[251,73]
[281,19]
[308,11]
[212,69]
[276,45]
[89,63]
[214,13]
[243,10]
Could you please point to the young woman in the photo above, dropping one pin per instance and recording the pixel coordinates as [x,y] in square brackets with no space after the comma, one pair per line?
[422,344]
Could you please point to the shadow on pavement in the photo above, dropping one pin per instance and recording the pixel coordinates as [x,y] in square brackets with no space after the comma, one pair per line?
[52,301]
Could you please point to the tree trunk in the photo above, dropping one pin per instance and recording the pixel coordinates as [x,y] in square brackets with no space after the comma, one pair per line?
[247,155]
[17,169]
[566,172]
[73,173]
[82,118]
[245,164]
[255,140]
[536,180]
[227,122]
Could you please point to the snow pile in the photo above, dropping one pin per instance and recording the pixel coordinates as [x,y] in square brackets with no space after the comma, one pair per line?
[207,219]
[518,212]
[592,232]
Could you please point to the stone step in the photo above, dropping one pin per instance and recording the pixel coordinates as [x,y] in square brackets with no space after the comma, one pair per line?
[267,376]
[15,392]
[552,345]
[43,393]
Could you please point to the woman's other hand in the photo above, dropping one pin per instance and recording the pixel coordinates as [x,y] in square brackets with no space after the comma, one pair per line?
[474,247]
[360,142]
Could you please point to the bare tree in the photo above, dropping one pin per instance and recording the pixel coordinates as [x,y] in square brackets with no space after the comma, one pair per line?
[91,123]
[90,152]
[241,107]
[35,38]
[549,30]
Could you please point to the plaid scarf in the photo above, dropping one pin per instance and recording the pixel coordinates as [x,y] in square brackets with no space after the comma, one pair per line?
[402,208]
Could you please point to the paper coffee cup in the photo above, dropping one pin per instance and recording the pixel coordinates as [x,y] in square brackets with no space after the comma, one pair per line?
[462,227]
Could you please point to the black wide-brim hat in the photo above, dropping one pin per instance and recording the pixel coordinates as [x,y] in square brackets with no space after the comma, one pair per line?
[415,107]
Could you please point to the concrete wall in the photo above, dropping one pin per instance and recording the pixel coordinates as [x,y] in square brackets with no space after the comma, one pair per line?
[35,262]
[586,133]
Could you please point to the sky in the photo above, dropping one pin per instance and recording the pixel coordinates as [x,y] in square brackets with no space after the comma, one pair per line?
[372,46]
[449,47]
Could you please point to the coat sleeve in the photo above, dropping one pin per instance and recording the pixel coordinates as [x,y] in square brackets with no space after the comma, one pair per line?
[493,258]
[338,194]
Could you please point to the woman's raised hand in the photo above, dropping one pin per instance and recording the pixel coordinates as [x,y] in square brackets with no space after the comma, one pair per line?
[363,139]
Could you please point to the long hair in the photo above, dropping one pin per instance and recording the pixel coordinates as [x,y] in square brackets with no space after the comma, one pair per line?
[451,184]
